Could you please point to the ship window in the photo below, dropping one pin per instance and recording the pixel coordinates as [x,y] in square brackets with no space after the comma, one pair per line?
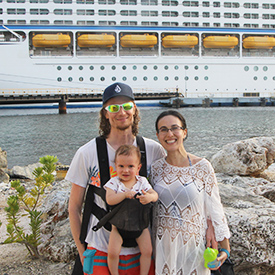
[106,23]
[205,14]
[39,11]
[40,22]
[59,79]
[80,68]
[135,78]
[196,78]
[102,68]
[85,1]
[186,67]
[128,2]
[265,6]
[145,67]
[273,77]
[155,67]
[265,68]
[205,4]
[150,13]
[255,5]
[227,15]
[176,78]
[70,79]
[105,2]
[206,67]
[227,4]
[124,67]
[265,16]
[265,77]
[81,79]
[1,11]
[246,68]
[266,26]
[186,14]
[82,22]
[247,15]
[216,15]
[128,13]
[194,3]
[272,6]
[106,12]
[128,23]
[156,78]
[206,24]
[170,13]
[255,25]
[124,78]
[62,1]
[113,68]
[145,78]
[85,12]
[186,3]
[216,24]
[206,78]
[149,2]
[186,78]
[92,78]
[39,1]
[166,78]
[216,4]
[113,78]
[255,16]
[102,78]
[63,22]
[255,77]
[63,12]
[174,24]
[166,67]
[59,68]
[169,3]
[256,68]
[176,67]
[134,67]
[194,14]
[11,11]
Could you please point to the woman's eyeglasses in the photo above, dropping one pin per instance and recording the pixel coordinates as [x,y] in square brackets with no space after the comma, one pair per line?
[116,107]
[174,129]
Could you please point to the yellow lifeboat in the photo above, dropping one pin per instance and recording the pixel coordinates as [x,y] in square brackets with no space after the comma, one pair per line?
[259,42]
[101,40]
[219,41]
[179,41]
[138,40]
[51,40]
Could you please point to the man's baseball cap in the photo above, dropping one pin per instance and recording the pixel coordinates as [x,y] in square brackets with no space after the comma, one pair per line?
[117,89]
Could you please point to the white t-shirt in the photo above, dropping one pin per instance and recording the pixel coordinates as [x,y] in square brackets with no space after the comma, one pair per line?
[118,186]
[84,170]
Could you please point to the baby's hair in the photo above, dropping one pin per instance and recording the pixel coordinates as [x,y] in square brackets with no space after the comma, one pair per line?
[127,150]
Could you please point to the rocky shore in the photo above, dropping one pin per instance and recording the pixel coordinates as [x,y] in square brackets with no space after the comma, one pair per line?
[246,174]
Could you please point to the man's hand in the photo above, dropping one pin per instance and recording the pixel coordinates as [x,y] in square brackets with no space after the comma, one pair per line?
[210,236]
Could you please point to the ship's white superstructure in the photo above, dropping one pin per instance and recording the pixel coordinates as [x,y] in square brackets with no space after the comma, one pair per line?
[200,48]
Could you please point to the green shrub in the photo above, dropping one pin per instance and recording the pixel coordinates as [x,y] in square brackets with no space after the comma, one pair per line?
[28,201]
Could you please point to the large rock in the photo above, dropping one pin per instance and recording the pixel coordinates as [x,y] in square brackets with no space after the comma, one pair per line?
[58,243]
[246,157]
[24,172]
[251,218]
[4,177]
[3,159]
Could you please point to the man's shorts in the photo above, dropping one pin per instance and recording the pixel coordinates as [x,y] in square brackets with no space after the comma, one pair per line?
[128,264]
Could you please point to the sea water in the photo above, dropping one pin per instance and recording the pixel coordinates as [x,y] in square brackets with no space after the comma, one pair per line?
[27,135]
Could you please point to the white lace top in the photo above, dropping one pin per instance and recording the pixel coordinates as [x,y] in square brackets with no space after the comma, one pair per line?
[187,196]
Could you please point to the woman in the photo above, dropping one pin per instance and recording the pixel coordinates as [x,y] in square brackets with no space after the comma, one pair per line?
[188,195]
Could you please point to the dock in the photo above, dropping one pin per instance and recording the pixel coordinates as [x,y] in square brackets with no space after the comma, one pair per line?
[179,102]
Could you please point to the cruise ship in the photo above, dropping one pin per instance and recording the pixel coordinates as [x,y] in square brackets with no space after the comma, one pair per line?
[197,48]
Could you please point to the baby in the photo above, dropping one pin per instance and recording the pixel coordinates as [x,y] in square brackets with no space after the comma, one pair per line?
[129,185]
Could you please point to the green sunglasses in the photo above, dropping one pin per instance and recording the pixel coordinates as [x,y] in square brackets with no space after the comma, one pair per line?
[116,107]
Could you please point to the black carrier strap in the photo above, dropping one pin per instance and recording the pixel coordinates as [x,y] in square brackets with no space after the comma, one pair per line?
[90,207]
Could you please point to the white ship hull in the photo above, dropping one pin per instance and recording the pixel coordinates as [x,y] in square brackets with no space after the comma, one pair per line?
[195,71]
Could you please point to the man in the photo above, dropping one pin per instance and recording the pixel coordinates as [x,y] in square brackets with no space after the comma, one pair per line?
[119,118]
